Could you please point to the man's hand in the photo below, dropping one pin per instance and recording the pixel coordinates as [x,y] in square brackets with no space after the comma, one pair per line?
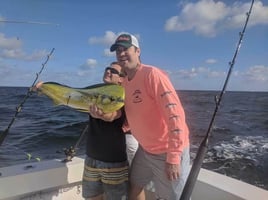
[173,171]
[35,87]
[95,112]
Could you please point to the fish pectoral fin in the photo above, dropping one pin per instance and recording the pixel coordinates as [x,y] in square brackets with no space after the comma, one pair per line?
[82,110]
[57,102]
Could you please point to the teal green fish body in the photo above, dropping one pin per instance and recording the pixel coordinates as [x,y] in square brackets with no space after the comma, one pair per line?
[108,97]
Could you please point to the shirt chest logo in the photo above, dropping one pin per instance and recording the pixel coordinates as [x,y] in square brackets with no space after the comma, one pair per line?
[136,96]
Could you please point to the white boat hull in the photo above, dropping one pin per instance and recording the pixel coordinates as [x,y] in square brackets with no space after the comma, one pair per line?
[55,180]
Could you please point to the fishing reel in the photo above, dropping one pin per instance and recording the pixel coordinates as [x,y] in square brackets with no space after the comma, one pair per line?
[69,153]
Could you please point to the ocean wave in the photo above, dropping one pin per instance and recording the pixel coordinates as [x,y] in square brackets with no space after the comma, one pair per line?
[240,147]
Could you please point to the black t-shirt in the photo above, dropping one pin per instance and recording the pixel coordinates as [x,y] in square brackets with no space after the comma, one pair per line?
[106,140]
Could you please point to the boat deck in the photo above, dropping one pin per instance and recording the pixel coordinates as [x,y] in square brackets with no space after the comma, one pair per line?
[56,180]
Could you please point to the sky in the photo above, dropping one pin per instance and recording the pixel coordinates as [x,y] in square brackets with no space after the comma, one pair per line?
[193,41]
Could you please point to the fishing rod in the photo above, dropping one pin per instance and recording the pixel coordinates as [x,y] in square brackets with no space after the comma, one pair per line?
[191,180]
[27,22]
[29,92]
[70,152]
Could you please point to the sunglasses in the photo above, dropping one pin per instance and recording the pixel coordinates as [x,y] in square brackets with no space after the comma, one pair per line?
[113,71]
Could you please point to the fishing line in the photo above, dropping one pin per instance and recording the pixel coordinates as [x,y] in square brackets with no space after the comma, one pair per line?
[19,107]
[191,180]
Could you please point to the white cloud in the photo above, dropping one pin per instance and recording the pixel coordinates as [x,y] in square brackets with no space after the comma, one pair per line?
[208,17]
[87,66]
[36,55]
[187,74]
[13,73]
[257,73]
[11,48]
[196,72]
[254,78]
[211,61]
[89,70]
[12,53]
[108,53]
[237,14]
[107,39]
[9,43]
[91,62]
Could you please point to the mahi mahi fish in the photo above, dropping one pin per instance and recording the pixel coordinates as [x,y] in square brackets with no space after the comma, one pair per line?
[108,97]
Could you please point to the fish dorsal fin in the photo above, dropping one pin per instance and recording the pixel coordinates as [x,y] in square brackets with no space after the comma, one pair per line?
[97,85]
[55,83]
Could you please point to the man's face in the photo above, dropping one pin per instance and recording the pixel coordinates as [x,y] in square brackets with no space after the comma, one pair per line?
[112,74]
[128,58]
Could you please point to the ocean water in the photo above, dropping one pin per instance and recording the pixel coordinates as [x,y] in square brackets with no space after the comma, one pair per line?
[238,146]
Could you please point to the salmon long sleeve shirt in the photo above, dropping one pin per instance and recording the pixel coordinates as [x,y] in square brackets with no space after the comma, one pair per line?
[155,114]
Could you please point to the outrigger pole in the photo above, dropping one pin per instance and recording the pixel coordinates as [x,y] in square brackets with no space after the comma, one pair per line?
[18,109]
[27,22]
[191,180]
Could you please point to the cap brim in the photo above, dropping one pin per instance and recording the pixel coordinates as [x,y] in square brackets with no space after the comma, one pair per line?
[114,46]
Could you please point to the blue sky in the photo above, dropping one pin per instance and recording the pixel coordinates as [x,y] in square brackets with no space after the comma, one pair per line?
[192,40]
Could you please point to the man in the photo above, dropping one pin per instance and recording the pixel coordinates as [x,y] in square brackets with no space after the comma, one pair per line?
[106,165]
[157,120]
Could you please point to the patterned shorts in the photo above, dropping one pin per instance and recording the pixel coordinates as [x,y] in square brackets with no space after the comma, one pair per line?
[106,178]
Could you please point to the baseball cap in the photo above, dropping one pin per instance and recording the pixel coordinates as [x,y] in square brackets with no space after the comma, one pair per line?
[125,40]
